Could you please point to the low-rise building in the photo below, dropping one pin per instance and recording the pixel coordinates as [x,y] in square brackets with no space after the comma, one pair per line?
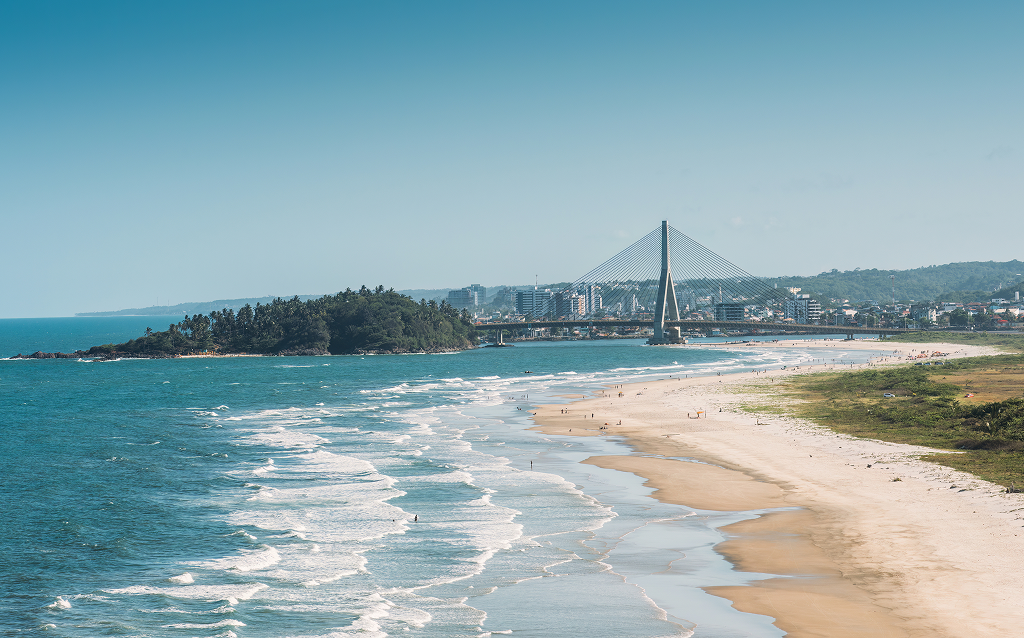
[729,311]
[923,311]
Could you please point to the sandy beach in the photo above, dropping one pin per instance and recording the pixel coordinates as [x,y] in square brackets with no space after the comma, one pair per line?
[875,541]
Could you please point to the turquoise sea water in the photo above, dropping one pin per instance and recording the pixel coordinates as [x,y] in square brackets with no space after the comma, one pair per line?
[340,496]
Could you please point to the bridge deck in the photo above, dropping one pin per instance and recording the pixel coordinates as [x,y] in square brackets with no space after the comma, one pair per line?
[687,324]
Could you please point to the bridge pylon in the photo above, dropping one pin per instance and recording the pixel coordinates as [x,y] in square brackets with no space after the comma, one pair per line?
[666,301]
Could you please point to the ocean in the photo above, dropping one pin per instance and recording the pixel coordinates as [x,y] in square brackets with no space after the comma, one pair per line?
[342,496]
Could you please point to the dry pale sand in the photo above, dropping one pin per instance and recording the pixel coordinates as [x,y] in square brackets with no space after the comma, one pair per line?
[935,553]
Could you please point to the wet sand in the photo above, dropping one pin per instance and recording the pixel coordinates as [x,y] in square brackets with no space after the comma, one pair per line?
[934,553]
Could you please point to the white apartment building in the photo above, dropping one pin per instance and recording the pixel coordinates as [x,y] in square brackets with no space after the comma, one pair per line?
[802,309]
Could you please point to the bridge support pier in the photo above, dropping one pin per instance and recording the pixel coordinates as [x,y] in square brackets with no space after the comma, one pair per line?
[666,301]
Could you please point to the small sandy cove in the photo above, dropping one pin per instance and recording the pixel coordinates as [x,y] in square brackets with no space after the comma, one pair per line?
[935,553]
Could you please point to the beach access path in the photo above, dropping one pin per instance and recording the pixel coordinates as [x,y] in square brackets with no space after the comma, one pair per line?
[876,542]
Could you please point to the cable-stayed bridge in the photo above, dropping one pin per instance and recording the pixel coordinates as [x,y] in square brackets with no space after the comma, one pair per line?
[670,283]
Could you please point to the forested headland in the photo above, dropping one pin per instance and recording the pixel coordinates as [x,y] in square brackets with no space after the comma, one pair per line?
[368,321]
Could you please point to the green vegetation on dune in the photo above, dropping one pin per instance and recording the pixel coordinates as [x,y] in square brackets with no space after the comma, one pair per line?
[931,408]
[367,321]
[1002,341]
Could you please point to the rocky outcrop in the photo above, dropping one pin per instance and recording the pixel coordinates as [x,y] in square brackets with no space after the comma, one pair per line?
[83,354]
[77,354]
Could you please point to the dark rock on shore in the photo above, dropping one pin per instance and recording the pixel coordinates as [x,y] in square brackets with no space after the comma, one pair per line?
[304,352]
[77,354]
[84,354]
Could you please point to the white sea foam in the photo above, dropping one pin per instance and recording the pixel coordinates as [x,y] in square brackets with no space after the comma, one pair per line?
[223,609]
[401,388]
[230,593]
[243,534]
[322,580]
[228,622]
[285,438]
[450,477]
[59,603]
[351,523]
[269,467]
[305,567]
[93,597]
[247,560]
[182,579]
[643,368]
[352,494]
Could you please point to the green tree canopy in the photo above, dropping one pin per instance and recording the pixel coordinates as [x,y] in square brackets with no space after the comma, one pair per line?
[378,320]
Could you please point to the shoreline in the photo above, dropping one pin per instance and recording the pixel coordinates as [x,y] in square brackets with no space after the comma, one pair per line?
[81,354]
[875,541]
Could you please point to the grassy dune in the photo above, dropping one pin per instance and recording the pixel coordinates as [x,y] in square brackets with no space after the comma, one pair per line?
[1004,341]
[932,407]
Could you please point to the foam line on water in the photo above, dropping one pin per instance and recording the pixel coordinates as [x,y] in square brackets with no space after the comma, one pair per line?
[211,593]
[228,622]
[246,560]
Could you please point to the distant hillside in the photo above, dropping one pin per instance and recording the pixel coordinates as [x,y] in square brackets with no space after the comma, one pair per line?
[430,294]
[959,282]
[1008,292]
[964,281]
[206,307]
[189,308]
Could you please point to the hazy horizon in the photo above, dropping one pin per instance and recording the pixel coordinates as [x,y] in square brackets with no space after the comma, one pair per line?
[211,151]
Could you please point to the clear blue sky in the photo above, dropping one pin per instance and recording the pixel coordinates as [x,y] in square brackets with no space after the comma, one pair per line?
[188,151]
